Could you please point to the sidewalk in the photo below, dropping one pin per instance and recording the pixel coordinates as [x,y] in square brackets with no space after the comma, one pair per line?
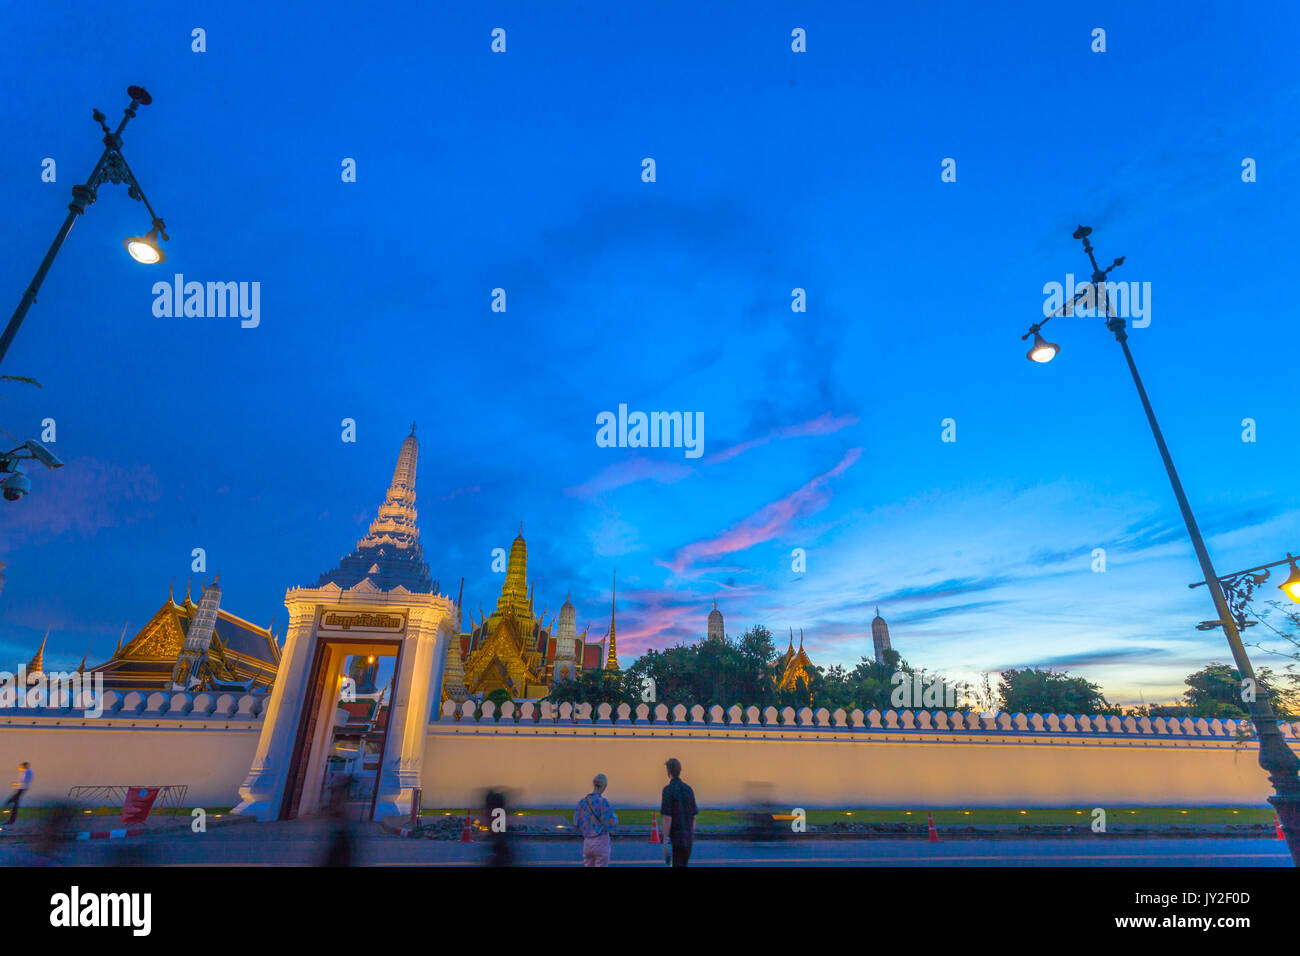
[545,827]
[109,826]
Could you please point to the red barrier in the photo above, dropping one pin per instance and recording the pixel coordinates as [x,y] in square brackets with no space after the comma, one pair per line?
[139,801]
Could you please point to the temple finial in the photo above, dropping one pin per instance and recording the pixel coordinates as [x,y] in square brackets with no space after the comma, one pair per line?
[412,429]
[37,663]
[611,658]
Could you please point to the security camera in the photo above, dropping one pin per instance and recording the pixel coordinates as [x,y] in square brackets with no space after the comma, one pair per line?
[16,484]
[42,454]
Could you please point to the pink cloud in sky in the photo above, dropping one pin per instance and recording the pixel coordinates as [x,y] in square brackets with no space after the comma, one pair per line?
[84,496]
[632,470]
[765,524]
[457,492]
[654,617]
[825,424]
[629,471]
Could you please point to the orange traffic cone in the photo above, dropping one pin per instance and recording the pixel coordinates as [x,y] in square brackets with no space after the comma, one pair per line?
[1277,825]
[654,829]
[465,834]
[934,834]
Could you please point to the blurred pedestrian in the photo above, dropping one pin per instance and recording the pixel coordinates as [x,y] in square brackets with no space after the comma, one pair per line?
[499,853]
[595,820]
[677,808]
[340,849]
[21,786]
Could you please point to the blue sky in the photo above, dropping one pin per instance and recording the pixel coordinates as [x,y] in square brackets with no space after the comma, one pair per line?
[775,170]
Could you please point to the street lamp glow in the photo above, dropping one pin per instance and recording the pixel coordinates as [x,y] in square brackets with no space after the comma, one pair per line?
[1291,586]
[145,249]
[1042,350]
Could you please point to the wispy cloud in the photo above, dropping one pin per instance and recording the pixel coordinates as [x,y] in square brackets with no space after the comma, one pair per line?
[640,468]
[629,471]
[767,523]
[825,424]
[85,496]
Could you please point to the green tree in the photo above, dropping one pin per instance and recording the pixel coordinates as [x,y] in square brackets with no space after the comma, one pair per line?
[1283,622]
[498,697]
[596,686]
[1035,691]
[1216,691]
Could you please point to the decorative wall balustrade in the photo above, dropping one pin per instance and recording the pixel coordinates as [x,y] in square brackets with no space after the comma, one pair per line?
[81,707]
[805,718]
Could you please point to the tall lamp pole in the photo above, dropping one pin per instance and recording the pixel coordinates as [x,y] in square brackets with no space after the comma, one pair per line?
[111,167]
[1275,757]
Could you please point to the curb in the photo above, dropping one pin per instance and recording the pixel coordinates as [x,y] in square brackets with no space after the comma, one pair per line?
[1064,832]
[110,834]
[119,832]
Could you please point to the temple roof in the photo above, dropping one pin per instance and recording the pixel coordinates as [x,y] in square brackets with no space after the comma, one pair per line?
[150,656]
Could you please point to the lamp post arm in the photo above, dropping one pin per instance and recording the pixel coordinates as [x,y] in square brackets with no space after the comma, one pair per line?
[82,196]
[1237,574]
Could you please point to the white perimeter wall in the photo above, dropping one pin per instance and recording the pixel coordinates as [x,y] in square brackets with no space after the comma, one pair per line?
[552,766]
[203,741]
[207,742]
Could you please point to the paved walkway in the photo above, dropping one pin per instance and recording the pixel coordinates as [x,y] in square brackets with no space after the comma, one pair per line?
[303,843]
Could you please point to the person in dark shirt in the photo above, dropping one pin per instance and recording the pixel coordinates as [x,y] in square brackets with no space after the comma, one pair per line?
[678,811]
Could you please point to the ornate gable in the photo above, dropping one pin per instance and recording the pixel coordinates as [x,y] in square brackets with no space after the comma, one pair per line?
[159,640]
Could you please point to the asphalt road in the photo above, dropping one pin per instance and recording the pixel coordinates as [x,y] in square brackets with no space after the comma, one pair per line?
[303,843]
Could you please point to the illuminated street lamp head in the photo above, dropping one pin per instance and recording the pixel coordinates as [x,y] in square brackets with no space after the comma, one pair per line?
[145,249]
[1042,350]
[1291,586]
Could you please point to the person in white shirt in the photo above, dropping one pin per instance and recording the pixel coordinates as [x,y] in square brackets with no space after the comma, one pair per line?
[21,786]
[595,820]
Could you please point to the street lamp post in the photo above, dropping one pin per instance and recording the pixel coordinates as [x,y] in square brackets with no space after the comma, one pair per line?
[111,167]
[1275,757]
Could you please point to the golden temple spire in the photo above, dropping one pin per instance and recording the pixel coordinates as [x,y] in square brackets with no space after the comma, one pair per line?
[514,591]
[611,659]
[120,639]
[37,664]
